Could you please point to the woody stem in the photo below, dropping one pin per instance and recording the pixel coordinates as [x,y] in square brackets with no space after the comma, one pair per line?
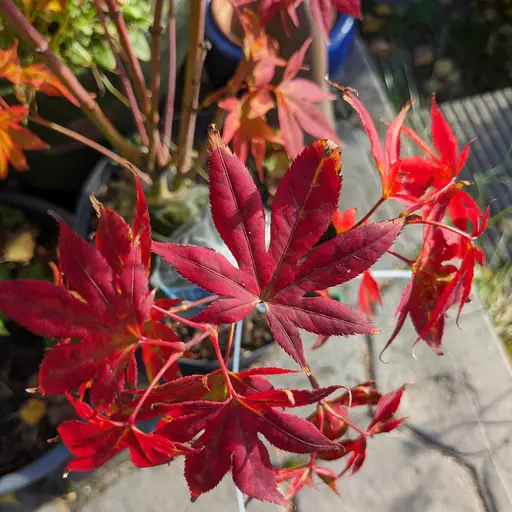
[370,213]
[442,226]
[400,257]
[345,420]
[189,305]
[165,367]
[230,343]
[177,318]
[222,364]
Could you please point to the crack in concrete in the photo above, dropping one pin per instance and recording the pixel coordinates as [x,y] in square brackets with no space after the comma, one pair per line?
[481,489]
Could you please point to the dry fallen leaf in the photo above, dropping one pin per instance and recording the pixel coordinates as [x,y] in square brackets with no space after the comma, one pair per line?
[32,411]
[20,247]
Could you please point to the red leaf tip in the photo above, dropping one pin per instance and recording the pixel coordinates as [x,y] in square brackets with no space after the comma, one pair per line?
[215,139]
[330,150]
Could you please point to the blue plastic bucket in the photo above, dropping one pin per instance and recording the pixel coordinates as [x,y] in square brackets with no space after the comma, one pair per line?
[224,56]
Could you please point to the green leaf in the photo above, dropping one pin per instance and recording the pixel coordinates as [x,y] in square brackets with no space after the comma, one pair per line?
[103,56]
[140,45]
[3,329]
[35,271]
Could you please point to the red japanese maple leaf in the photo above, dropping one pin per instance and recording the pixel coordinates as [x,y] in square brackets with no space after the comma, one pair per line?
[369,292]
[437,284]
[280,276]
[383,421]
[14,138]
[329,416]
[296,98]
[387,159]
[104,308]
[439,166]
[302,476]
[368,295]
[231,419]
[247,127]
[98,439]
[36,76]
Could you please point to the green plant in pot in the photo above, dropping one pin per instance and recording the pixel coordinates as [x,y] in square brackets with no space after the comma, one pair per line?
[76,36]
[261,107]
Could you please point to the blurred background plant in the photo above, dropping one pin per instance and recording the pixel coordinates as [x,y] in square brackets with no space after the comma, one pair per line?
[75,33]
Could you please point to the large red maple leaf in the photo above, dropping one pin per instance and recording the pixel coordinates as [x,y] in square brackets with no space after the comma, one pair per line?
[280,276]
[103,309]
[231,417]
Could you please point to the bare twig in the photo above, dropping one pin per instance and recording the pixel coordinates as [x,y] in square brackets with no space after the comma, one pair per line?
[153,117]
[129,54]
[138,80]
[171,78]
[196,54]
[127,86]
[94,145]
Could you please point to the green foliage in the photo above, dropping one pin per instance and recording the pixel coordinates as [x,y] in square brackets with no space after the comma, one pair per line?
[76,34]
[495,288]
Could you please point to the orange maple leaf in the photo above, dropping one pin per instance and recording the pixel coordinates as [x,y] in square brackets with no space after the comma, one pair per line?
[36,77]
[15,138]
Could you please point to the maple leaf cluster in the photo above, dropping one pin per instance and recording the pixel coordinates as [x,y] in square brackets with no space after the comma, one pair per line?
[15,138]
[251,95]
[101,311]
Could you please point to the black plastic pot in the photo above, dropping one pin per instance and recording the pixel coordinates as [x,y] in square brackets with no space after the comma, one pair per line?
[58,454]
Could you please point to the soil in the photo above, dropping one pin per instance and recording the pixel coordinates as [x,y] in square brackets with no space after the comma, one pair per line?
[256,334]
[27,420]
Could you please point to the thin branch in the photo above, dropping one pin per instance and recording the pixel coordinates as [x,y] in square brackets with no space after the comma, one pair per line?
[176,318]
[171,77]
[91,109]
[121,71]
[129,54]
[400,257]
[441,226]
[197,49]
[156,31]
[94,145]
[230,342]
[138,80]
[371,212]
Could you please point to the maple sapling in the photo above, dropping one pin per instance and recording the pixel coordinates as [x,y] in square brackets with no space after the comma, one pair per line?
[102,312]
